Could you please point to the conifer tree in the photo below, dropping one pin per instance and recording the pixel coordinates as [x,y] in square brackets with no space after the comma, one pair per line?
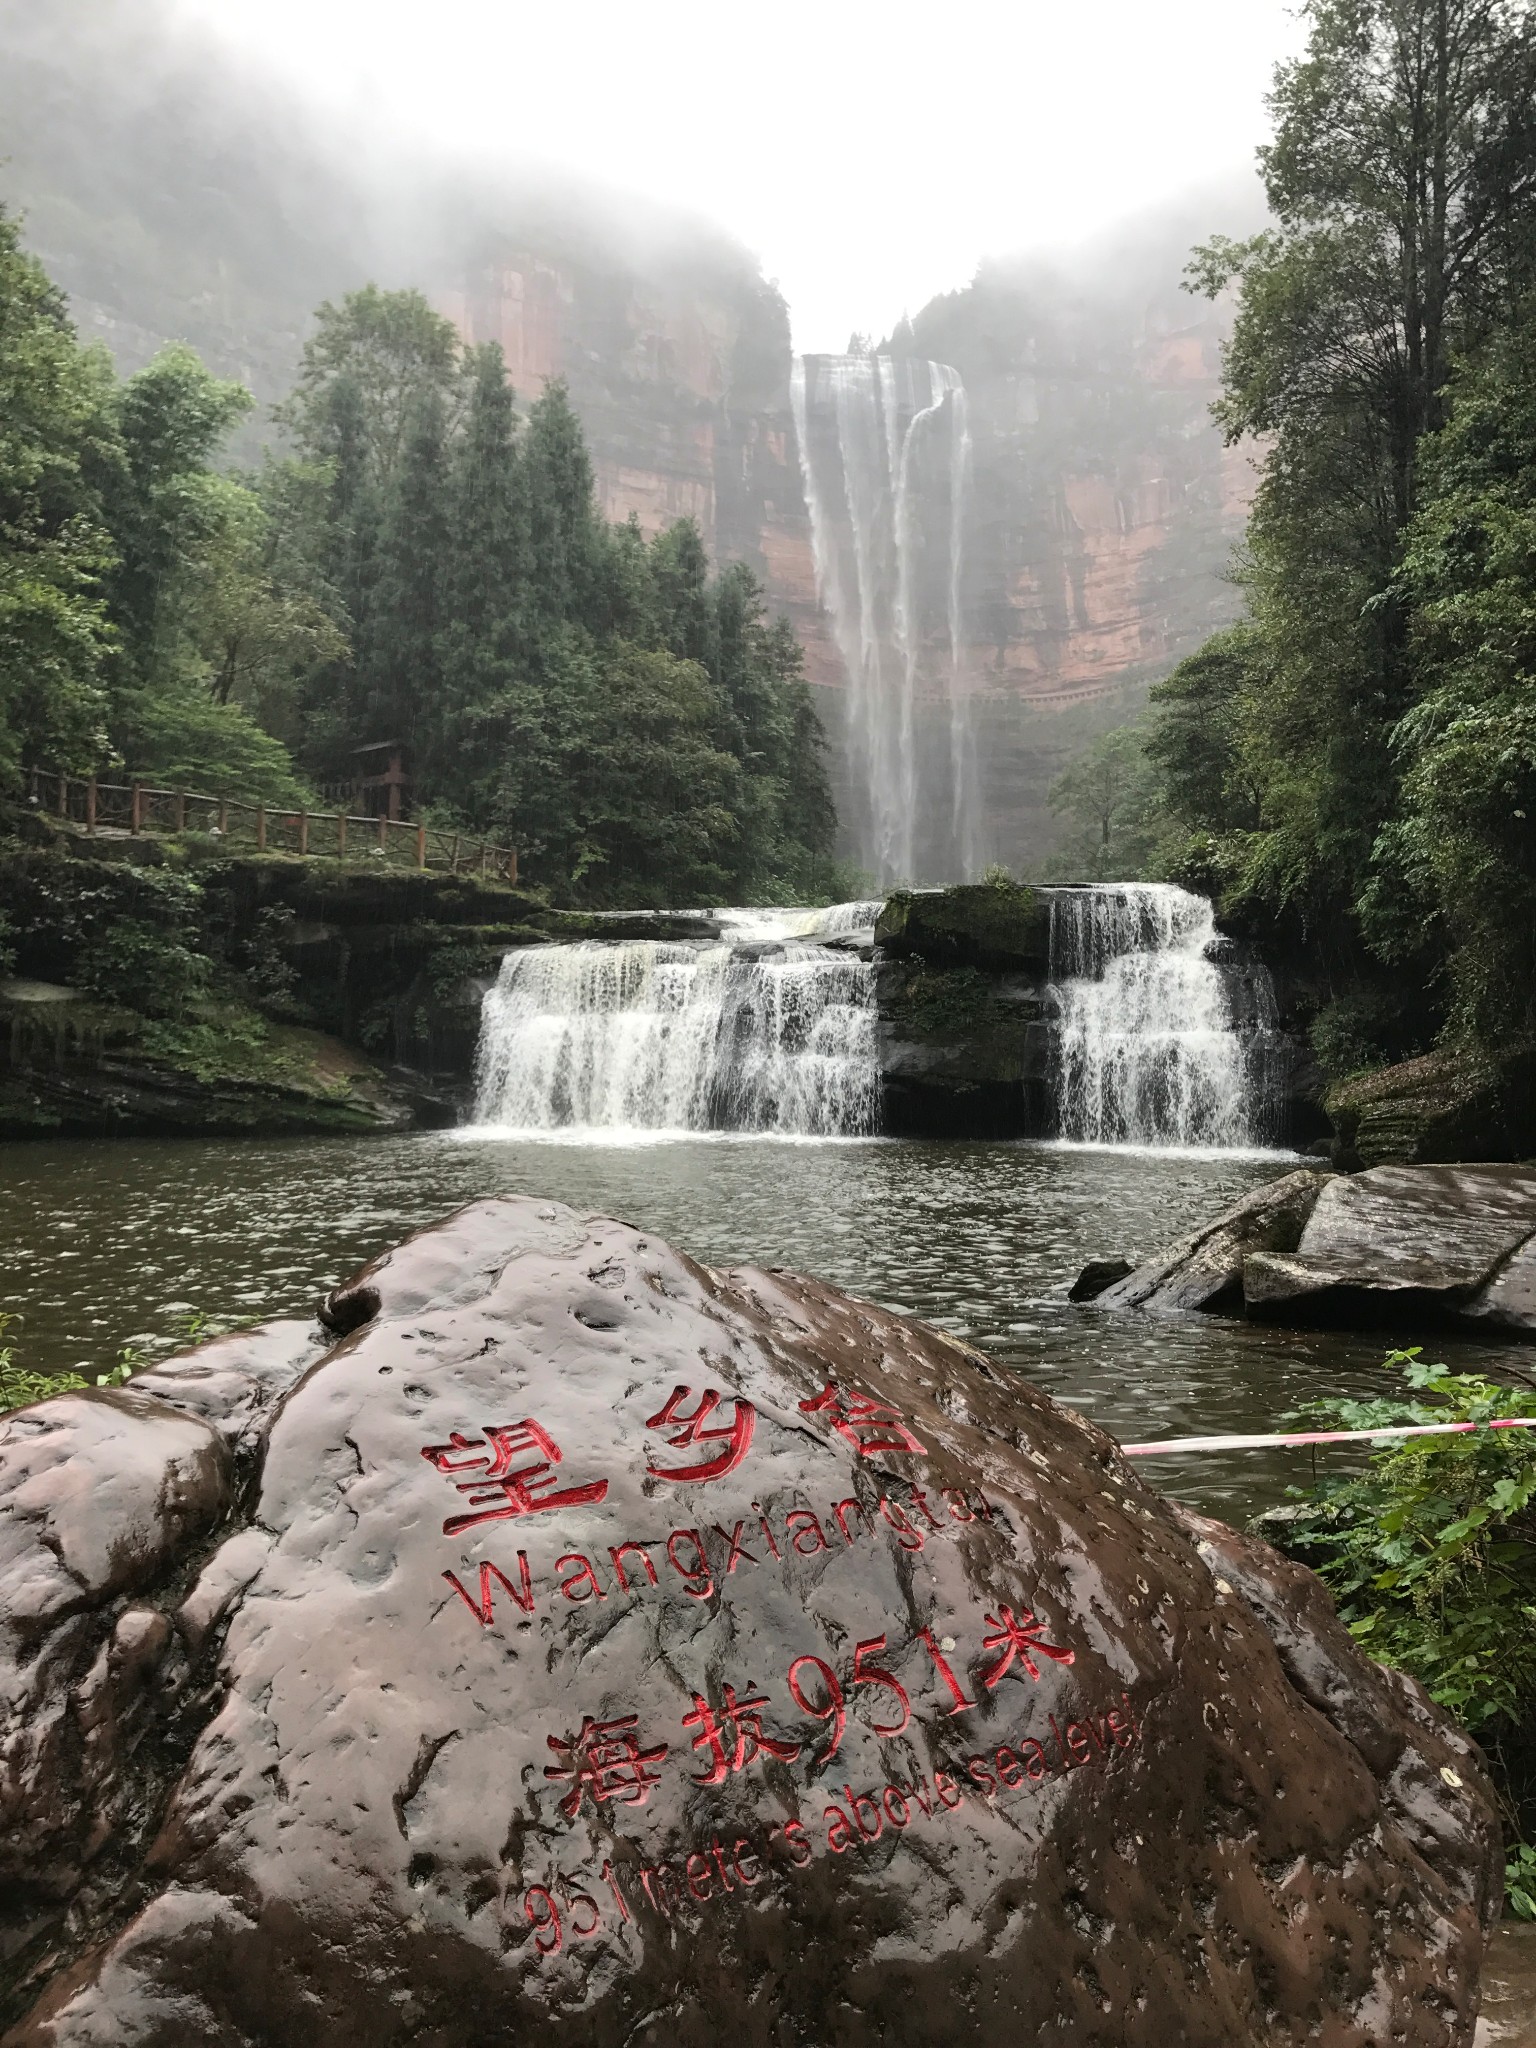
[562,518]
[680,582]
[403,688]
[488,714]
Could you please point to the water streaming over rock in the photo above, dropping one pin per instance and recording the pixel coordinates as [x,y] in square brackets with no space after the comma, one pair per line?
[765,1027]
[1160,1041]
[885,454]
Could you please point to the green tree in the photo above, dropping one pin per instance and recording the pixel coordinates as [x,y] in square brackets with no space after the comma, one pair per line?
[166,508]
[565,543]
[1402,179]
[267,619]
[372,364]
[1106,796]
[787,821]
[55,429]
[1462,854]
[190,589]
[1198,745]
[384,351]
[489,700]
[683,615]
[402,694]
[654,802]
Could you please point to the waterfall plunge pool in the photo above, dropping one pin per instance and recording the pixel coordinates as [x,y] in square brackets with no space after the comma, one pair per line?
[111,1240]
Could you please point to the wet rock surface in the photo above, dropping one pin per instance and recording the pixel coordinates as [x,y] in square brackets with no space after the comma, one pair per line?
[1450,1246]
[1205,1270]
[610,1650]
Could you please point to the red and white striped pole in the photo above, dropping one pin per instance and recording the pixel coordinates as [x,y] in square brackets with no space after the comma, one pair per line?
[1173,1445]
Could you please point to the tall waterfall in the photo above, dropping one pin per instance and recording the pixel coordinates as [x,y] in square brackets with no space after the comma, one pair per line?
[764,1028]
[885,453]
[1159,1043]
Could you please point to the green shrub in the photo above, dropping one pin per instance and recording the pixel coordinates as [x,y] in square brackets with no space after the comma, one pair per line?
[1354,1033]
[19,1388]
[1431,1556]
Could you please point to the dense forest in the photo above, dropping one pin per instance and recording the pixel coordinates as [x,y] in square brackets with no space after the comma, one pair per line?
[1355,760]
[420,563]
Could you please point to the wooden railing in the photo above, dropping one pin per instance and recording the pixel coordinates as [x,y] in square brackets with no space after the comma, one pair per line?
[137,807]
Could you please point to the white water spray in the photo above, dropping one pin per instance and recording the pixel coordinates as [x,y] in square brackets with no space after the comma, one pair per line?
[869,428]
[767,1028]
[1154,1045]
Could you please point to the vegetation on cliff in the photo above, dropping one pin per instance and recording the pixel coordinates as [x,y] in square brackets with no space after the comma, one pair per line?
[1356,759]
[187,991]
[423,567]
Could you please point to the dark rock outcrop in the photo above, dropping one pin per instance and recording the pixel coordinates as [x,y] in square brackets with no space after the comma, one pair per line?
[1437,1246]
[965,1011]
[999,927]
[615,1650]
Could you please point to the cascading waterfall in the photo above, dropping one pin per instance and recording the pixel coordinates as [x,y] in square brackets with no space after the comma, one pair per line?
[880,438]
[765,1028]
[1159,1043]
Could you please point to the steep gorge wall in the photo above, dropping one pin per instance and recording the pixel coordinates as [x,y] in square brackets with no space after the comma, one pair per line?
[1103,507]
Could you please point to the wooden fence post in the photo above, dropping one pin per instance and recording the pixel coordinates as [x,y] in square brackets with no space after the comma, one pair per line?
[90,805]
[261,828]
[383,830]
[63,795]
[421,846]
[341,835]
[303,831]
[136,810]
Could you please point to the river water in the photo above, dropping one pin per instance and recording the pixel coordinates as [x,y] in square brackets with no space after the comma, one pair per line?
[116,1241]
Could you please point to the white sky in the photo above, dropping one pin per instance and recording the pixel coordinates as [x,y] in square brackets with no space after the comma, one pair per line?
[870,154]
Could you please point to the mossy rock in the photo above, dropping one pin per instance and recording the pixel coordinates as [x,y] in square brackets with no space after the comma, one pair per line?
[1441,1107]
[75,1066]
[999,927]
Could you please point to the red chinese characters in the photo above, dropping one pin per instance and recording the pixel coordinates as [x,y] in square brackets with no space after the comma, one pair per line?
[733,1737]
[734,1437]
[501,1488]
[605,1759]
[867,1424]
[1017,1636]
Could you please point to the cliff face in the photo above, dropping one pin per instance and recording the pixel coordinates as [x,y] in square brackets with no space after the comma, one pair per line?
[678,364]
[1104,505]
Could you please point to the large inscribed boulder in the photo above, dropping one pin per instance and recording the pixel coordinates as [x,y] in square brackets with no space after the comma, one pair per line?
[613,1651]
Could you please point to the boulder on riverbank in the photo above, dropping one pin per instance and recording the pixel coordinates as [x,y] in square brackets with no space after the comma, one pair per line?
[593,1644]
[1437,1246]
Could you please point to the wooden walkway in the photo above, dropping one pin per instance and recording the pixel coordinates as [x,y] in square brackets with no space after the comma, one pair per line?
[133,808]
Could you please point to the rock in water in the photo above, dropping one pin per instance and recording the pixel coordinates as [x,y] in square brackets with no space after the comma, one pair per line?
[613,1651]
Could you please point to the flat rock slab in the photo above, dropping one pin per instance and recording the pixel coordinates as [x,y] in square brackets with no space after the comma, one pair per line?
[617,1652]
[1440,1234]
